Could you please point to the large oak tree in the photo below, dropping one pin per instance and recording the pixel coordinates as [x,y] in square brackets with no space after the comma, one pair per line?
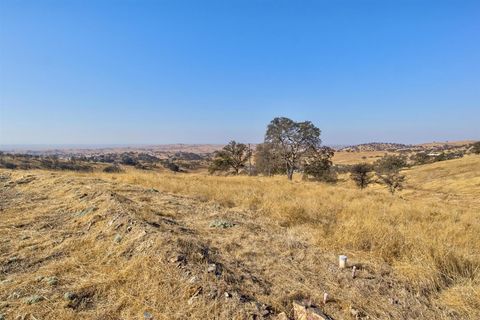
[291,140]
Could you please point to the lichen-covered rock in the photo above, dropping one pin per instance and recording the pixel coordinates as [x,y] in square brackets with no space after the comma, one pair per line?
[222,224]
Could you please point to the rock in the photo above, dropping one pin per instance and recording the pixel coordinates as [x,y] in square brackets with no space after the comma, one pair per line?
[304,312]
[147,315]
[212,267]
[222,224]
[52,281]
[227,295]
[118,238]
[69,296]
[176,258]
[34,299]
[282,316]
[357,314]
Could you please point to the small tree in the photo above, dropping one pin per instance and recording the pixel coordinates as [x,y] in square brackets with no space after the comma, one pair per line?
[291,140]
[392,179]
[361,174]
[476,147]
[318,164]
[420,158]
[390,163]
[233,156]
[267,161]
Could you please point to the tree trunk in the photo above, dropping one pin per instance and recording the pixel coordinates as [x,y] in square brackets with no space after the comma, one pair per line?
[290,173]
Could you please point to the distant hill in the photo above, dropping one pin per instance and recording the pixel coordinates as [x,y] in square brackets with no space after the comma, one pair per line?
[394,147]
[376,146]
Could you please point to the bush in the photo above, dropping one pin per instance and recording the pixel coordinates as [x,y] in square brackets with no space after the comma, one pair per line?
[267,161]
[390,163]
[9,165]
[318,164]
[113,169]
[361,174]
[393,180]
[172,166]
[476,147]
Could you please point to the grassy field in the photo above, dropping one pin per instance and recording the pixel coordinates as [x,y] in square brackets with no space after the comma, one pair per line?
[418,251]
[344,157]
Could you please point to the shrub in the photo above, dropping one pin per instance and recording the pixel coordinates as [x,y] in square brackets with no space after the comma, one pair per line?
[476,147]
[393,180]
[361,174]
[390,163]
[113,169]
[318,164]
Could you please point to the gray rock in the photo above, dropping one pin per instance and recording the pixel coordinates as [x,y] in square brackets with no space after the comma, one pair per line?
[118,238]
[223,224]
[69,296]
[212,267]
[52,281]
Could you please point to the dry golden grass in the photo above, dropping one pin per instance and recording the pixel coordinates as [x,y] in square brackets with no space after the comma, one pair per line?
[419,248]
[344,157]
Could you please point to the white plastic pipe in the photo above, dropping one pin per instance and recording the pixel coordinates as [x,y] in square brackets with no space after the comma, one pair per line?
[342,262]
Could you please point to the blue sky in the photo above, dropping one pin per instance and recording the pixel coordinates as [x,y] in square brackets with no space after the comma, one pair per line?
[128,72]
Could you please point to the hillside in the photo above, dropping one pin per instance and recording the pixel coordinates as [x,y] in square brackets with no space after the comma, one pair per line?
[157,245]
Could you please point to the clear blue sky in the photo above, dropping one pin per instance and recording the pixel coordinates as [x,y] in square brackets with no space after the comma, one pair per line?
[127,72]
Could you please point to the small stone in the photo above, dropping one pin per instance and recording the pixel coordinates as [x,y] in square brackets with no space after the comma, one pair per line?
[222,224]
[354,312]
[357,314]
[212,267]
[52,281]
[303,311]
[227,295]
[265,312]
[282,316]
[69,296]
[34,299]
[193,279]
[147,315]
[177,258]
[118,238]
